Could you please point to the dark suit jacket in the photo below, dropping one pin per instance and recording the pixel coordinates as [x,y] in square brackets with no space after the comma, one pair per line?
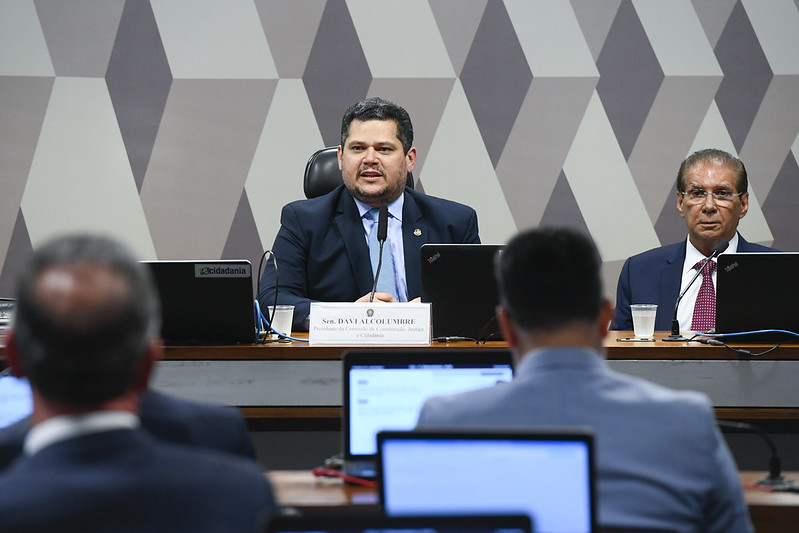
[126,480]
[322,254]
[654,276]
[168,418]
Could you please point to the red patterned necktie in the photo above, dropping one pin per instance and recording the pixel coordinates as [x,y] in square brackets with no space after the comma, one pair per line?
[705,308]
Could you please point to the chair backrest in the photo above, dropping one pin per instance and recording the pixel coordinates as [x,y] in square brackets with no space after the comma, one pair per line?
[322,174]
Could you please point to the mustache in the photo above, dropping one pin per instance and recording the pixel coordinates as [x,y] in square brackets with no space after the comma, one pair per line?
[371,169]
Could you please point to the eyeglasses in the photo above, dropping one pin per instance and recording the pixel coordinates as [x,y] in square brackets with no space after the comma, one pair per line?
[698,196]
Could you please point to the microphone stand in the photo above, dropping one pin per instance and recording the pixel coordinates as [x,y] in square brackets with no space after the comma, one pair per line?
[382,235]
[377,272]
[675,335]
[775,480]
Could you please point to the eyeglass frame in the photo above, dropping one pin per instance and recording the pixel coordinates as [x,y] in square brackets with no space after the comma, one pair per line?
[716,199]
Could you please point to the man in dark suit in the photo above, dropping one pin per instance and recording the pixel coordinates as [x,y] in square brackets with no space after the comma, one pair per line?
[168,418]
[85,334]
[712,197]
[322,247]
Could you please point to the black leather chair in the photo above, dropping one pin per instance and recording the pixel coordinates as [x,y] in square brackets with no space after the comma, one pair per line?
[322,174]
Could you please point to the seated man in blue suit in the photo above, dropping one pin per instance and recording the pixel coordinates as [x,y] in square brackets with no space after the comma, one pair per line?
[712,197]
[322,246]
[85,334]
[661,462]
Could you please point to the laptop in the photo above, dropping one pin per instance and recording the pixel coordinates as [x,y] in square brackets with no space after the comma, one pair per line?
[16,399]
[545,474]
[385,389]
[750,296]
[458,280]
[375,523]
[205,302]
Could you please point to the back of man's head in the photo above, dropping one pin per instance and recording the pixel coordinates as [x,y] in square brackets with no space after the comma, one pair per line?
[549,278]
[85,315]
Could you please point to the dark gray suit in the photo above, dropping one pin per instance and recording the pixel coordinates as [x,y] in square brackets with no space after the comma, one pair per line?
[654,276]
[168,418]
[128,481]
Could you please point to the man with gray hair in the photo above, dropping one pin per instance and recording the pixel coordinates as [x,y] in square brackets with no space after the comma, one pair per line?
[712,197]
[85,334]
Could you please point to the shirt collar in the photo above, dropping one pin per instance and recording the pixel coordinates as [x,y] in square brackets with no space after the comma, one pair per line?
[394,208]
[693,256]
[64,427]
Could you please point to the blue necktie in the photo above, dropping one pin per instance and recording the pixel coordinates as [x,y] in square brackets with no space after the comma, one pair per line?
[388,279]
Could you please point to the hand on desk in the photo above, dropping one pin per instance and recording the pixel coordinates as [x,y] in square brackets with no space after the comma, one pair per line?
[384,297]
[379,297]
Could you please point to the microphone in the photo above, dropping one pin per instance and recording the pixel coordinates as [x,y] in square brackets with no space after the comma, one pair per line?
[722,245]
[774,480]
[382,235]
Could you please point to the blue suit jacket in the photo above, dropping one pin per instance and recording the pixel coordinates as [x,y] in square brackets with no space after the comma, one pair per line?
[168,418]
[322,254]
[126,480]
[661,462]
[654,277]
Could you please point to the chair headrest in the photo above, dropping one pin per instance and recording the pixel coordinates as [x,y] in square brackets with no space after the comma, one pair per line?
[322,174]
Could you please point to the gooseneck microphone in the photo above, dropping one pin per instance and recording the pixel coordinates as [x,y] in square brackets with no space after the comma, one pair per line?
[722,245]
[775,480]
[382,235]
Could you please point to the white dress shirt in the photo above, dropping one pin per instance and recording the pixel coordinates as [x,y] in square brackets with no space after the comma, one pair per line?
[65,427]
[685,313]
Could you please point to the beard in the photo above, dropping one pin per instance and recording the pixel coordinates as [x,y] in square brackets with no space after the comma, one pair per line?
[382,196]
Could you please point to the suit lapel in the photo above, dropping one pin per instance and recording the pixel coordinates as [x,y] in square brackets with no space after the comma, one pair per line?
[414,234]
[671,275]
[350,228]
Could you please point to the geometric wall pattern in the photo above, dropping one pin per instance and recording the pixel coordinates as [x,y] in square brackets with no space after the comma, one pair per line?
[182,127]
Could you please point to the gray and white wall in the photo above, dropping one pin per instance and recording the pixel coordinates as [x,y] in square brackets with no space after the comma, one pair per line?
[183,126]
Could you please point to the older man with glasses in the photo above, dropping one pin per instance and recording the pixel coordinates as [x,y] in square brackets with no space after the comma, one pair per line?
[712,197]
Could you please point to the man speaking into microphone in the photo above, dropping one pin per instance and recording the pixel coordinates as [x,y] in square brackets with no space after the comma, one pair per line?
[712,197]
[327,248]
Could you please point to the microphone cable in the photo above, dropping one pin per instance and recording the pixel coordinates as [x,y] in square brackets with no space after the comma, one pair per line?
[261,319]
[709,338]
[328,472]
[261,265]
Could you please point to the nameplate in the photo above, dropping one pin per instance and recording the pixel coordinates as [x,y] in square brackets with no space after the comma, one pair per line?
[349,323]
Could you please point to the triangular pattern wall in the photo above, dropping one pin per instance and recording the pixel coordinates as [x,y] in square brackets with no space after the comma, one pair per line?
[183,127]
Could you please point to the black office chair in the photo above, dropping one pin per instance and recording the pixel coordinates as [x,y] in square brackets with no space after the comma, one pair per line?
[322,174]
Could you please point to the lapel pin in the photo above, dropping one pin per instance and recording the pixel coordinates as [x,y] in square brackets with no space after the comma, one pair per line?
[417,232]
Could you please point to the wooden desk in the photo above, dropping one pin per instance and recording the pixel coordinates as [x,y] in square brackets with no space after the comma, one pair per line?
[771,512]
[298,381]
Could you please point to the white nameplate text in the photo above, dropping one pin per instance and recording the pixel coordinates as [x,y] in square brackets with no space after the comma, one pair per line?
[349,323]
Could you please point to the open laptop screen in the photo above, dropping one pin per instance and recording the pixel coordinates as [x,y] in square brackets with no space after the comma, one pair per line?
[385,389]
[205,301]
[458,280]
[748,299]
[16,401]
[547,475]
